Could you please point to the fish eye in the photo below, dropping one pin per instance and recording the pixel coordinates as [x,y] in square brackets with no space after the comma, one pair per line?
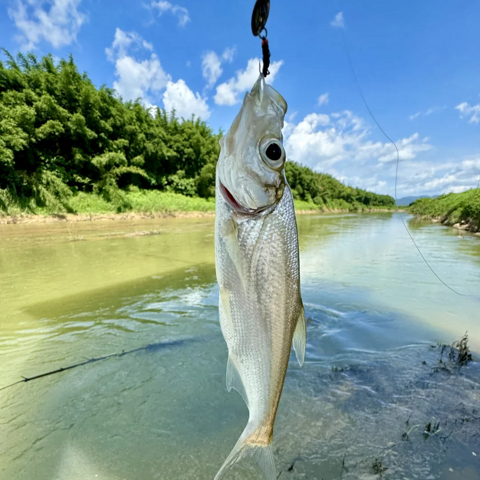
[272,153]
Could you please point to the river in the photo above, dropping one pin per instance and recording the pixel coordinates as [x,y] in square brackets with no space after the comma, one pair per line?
[145,290]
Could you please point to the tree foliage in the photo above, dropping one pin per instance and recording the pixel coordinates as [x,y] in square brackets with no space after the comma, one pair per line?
[60,135]
[451,207]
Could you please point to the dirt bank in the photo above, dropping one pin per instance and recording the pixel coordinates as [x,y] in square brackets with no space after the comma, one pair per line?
[464,225]
[73,218]
[92,217]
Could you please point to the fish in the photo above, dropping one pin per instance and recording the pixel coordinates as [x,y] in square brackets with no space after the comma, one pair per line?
[258,269]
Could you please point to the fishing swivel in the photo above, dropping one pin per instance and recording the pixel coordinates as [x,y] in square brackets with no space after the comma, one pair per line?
[259,20]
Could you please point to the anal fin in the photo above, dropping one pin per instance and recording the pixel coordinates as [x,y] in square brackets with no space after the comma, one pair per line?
[234,380]
[300,338]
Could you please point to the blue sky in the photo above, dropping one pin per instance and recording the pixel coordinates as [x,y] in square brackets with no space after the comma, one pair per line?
[416,62]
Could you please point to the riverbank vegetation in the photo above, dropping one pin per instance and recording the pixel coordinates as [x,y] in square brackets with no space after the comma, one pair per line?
[69,147]
[452,209]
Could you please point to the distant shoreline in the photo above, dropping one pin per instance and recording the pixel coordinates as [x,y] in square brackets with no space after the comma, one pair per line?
[458,210]
[23,219]
[464,225]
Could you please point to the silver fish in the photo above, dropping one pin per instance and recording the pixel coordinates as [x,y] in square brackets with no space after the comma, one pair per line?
[257,265]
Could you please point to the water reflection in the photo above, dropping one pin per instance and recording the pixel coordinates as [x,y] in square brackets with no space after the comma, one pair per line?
[378,255]
[467,242]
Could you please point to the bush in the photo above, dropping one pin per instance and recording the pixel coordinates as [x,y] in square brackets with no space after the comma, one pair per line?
[451,208]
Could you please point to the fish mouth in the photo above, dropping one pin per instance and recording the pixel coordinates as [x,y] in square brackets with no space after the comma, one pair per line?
[234,205]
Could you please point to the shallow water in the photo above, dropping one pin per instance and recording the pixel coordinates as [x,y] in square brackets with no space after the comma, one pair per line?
[159,410]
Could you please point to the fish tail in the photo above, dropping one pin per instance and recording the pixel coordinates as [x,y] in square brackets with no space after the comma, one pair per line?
[261,453]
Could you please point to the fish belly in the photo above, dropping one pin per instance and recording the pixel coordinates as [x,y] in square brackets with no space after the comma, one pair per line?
[260,304]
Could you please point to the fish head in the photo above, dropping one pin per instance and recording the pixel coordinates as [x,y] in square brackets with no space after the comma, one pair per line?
[250,170]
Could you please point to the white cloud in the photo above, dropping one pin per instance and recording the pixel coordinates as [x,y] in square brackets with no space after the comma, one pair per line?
[146,79]
[228,92]
[229,54]
[339,144]
[372,183]
[180,98]
[427,113]
[54,21]
[211,68]
[323,99]
[440,177]
[291,116]
[316,139]
[124,41]
[180,12]
[212,65]
[321,140]
[472,112]
[459,188]
[433,110]
[136,78]
[338,21]
[408,148]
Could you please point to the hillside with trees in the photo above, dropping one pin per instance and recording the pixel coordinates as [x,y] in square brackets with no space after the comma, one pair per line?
[452,208]
[63,140]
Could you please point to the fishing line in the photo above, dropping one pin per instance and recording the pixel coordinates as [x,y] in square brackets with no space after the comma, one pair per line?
[150,347]
[396,170]
[63,369]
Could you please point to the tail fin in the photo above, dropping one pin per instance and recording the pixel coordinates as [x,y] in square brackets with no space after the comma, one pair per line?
[262,454]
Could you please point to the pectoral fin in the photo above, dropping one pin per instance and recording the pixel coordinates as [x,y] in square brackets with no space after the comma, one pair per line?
[300,338]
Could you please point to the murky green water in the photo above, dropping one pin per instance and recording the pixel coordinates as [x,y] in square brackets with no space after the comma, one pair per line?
[160,410]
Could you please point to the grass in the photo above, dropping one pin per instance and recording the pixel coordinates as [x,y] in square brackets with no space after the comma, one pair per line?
[148,201]
[141,201]
[11,206]
[460,352]
[306,206]
[155,201]
[338,204]
[451,208]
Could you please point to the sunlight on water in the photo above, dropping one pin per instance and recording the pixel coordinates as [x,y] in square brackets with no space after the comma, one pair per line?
[159,409]
[378,256]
